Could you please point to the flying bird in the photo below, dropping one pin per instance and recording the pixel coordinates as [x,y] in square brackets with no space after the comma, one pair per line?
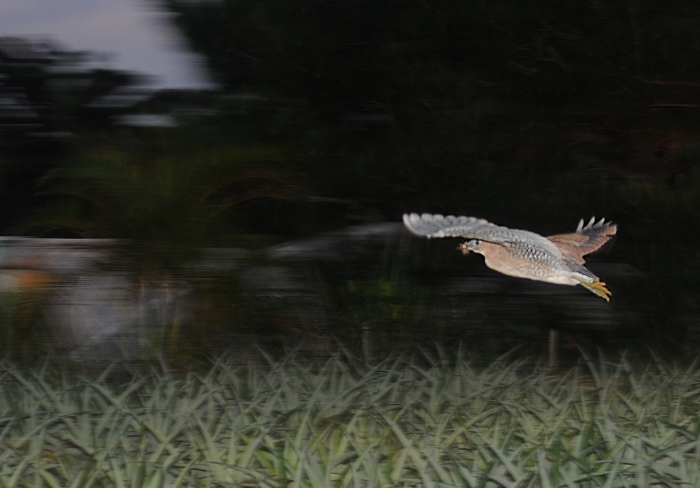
[555,259]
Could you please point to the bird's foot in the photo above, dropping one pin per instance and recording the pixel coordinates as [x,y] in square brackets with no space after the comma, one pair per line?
[463,247]
[598,288]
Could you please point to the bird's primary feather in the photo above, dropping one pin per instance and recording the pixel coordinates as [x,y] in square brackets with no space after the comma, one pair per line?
[439,226]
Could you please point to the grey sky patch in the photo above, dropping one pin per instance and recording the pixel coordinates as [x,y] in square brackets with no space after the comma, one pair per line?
[134,36]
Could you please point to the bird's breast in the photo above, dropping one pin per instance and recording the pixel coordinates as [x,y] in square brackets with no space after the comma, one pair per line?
[526,262]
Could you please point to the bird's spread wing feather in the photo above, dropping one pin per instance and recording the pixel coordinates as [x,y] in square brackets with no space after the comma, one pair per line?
[585,240]
[437,226]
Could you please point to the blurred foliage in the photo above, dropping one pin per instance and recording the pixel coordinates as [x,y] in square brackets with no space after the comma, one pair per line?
[164,209]
[50,100]
[331,113]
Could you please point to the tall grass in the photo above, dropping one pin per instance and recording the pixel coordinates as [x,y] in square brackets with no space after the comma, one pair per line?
[428,420]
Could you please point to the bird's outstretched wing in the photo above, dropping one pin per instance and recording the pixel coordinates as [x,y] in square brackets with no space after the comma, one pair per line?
[437,226]
[585,240]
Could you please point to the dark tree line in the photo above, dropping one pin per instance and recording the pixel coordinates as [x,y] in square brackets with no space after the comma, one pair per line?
[486,61]
[51,100]
[50,96]
[425,93]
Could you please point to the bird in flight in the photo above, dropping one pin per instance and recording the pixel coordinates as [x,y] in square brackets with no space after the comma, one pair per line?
[555,259]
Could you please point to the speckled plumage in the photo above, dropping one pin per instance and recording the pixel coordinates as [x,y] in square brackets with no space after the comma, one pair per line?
[555,259]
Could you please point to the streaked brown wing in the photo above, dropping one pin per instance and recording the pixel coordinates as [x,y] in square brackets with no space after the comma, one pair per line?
[585,240]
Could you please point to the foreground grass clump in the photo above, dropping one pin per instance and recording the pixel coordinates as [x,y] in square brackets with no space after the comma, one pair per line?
[417,422]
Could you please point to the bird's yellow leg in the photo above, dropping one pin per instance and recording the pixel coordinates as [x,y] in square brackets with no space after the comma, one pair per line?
[463,247]
[597,288]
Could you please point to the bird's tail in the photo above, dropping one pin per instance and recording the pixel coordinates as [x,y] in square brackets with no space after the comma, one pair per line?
[596,287]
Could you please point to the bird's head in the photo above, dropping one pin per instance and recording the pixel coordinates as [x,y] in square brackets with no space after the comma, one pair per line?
[471,245]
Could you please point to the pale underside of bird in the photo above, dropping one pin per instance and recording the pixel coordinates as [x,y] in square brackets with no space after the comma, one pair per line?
[523,254]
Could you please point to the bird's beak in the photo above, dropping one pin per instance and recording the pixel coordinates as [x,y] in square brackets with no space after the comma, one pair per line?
[463,247]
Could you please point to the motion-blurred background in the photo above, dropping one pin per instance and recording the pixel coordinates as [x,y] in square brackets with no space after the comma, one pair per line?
[248,189]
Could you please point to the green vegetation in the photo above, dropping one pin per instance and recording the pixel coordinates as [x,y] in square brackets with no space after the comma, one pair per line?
[168,206]
[427,420]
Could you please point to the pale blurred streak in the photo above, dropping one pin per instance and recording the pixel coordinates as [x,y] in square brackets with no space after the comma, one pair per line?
[95,310]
